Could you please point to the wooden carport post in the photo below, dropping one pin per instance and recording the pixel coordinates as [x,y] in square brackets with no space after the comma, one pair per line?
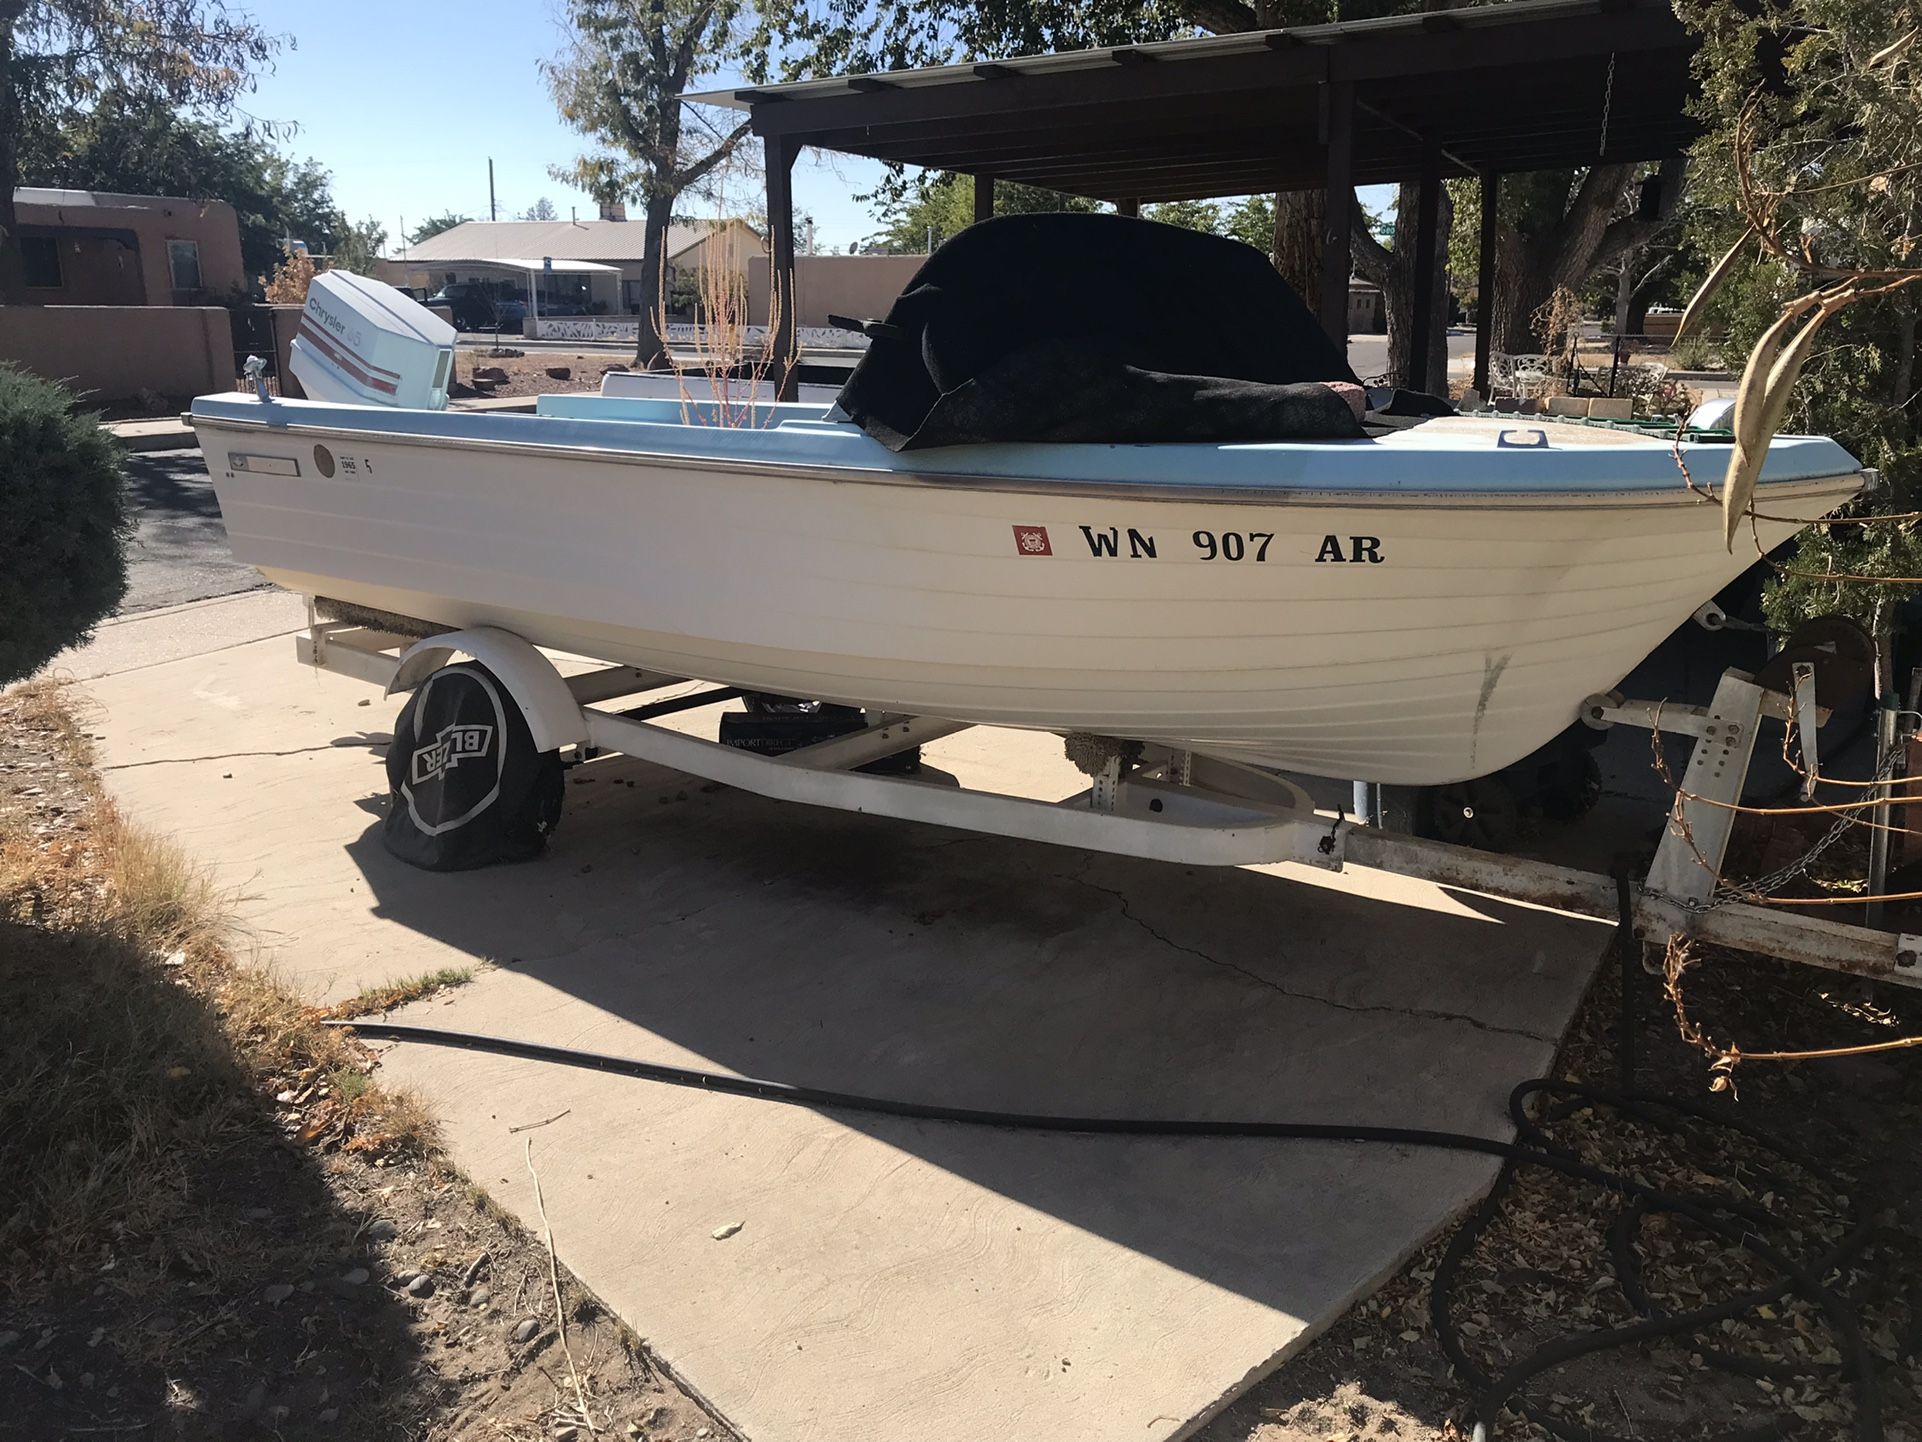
[1485,281]
[1337,260]
[983,196]
[1421,329]
[785,353]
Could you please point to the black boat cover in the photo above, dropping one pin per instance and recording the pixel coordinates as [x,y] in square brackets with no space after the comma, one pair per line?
[1075,327]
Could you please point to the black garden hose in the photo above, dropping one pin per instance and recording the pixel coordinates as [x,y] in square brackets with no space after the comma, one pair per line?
[1734,1223]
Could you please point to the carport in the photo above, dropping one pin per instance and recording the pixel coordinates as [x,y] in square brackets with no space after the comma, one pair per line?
[1483,92]
[550,280]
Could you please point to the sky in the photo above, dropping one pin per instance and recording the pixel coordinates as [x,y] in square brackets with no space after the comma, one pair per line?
[406,105]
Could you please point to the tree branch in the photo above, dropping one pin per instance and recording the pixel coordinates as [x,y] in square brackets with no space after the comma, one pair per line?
[684,179]
[1373,259]
[1220,17]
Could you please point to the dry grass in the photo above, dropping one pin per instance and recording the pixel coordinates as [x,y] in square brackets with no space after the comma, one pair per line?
[729,364]
[131,1043]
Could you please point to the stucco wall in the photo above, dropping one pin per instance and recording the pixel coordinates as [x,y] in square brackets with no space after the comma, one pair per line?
[111,352]
[117,254]
[861,286]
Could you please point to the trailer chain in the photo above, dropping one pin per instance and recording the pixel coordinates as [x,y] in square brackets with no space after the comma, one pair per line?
[1767,885]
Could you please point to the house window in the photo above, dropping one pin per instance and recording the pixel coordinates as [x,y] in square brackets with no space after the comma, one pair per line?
[183,260]
[40,254]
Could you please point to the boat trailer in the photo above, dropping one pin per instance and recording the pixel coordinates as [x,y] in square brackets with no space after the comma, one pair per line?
[1162,804]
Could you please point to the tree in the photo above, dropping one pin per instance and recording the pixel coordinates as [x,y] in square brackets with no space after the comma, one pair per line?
[57,55]
[921,213]
[620,84]
[1557,229]
[1809,175]
[139,143]
[288,283]
[1202,215]
[1251,221]
[433,226]
[1390,267]
[841,35]
[357,247]
[542,209]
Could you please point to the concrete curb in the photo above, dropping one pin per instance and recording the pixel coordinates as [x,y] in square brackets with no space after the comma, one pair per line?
[152,435]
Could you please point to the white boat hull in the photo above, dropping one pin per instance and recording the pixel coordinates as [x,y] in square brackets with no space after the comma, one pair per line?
[1413,639]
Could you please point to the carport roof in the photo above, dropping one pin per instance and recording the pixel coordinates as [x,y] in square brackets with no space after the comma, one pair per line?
[1526,85]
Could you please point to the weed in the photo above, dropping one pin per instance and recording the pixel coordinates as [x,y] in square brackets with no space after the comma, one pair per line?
[391,994]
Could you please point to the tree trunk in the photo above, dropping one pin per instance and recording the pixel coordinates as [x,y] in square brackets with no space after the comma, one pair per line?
[650,350]
[1531,264]
[1624,295]
[1394,272]
[1297,243]
[12,278]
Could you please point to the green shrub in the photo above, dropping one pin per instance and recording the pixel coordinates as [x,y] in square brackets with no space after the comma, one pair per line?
[64,523]
[1693,353]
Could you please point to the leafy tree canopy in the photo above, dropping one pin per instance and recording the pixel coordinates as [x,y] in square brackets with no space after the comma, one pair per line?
[1812,138]
[358,246]
[935,205]
[434,225]
[620,83]
[60,56]
[139,144]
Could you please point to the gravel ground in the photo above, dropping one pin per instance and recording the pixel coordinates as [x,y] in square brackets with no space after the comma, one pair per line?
[1544,1269]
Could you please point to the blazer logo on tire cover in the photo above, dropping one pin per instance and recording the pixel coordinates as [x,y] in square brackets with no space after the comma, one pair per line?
[451,746]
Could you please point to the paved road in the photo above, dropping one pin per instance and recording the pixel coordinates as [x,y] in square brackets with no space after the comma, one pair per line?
[1368,354]
[179,552]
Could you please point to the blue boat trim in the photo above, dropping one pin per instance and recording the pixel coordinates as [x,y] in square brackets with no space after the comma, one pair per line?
[800,436]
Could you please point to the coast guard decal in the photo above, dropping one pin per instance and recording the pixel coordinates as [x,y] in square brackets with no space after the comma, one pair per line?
[1032,541]
[451,746]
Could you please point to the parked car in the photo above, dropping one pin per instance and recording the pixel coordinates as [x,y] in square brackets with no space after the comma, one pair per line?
[475,306]
[512,315]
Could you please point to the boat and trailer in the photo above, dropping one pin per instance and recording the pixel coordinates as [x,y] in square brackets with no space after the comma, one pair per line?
[1415,599]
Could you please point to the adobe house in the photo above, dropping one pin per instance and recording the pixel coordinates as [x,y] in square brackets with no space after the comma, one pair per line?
[94,247]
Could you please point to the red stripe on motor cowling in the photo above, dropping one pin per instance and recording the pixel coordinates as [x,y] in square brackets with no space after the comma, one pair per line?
[347,360]
[307,321]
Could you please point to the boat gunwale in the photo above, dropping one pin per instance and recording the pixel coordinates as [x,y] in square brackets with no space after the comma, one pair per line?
[1679,495]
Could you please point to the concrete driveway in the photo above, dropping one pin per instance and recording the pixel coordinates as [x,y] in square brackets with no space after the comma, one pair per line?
[891,1279]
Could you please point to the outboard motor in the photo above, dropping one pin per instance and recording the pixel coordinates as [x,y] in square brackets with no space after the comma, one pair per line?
[364,343]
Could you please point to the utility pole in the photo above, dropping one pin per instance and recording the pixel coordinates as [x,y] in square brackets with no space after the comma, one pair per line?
[493,211]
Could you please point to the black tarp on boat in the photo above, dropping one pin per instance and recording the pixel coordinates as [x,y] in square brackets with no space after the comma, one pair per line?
[1074,327]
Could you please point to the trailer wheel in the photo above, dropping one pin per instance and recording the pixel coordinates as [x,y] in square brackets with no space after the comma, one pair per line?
[1573,788]
[466,786]
[1481,813]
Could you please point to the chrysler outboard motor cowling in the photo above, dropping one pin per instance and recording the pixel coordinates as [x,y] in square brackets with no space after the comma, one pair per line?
[364,343]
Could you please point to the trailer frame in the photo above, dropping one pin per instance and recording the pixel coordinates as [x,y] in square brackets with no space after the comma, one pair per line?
[1159,803]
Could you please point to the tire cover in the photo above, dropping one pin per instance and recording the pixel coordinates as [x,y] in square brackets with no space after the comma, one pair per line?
[467,788]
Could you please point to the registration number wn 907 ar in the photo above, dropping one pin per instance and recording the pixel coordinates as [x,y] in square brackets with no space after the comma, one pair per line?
[1119,543]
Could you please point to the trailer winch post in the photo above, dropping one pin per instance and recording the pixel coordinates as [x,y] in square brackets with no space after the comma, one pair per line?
[1688,863]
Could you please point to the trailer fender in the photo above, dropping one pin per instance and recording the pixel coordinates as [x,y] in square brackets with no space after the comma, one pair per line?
[553,715]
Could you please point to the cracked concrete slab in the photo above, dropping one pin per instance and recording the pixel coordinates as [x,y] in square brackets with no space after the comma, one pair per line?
[892,1278]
